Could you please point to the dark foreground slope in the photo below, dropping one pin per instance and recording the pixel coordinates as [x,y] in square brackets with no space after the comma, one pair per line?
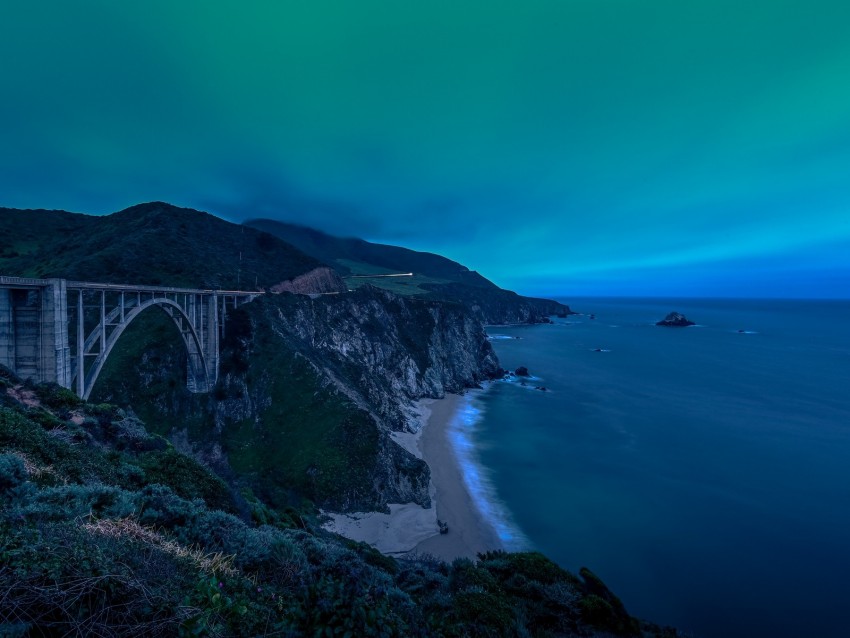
[433,276]
[107,530]
[309,392]
[153,244]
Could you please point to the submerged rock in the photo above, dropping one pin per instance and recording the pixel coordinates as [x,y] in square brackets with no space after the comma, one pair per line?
[675,319]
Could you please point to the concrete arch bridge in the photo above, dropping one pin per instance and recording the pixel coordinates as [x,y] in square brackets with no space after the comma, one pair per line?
[63,331]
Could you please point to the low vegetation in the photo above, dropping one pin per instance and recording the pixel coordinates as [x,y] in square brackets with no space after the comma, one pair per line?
[433,276]
[107,530]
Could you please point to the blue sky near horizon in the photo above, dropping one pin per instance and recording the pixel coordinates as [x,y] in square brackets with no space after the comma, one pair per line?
[569,147]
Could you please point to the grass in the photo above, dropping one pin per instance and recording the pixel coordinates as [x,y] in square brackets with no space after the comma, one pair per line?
[408,286]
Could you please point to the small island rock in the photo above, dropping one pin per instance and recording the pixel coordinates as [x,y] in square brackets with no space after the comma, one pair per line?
[522,371]
[675,319]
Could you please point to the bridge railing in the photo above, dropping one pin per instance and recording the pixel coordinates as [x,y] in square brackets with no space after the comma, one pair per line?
[22,281]
[91,285]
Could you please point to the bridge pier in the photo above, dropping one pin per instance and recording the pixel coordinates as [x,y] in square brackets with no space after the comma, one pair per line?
[34,332]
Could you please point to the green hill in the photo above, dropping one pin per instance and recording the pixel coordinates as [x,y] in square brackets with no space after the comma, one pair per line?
[153,244]
[351,256]
[430,276]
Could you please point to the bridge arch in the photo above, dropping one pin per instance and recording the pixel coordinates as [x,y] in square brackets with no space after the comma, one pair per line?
[199,373]
[46,327]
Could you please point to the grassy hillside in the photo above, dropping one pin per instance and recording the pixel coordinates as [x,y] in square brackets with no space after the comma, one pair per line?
[361,262]
[352,256]
[106,530]
[154,243]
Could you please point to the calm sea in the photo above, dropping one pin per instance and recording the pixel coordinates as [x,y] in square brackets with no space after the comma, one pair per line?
[703,473]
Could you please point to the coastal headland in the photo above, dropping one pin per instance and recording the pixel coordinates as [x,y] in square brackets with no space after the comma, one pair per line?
[322,401]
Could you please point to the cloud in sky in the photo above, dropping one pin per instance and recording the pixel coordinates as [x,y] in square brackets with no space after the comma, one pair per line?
[553,145]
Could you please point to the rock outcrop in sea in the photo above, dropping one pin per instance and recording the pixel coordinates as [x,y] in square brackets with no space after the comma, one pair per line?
[676,320]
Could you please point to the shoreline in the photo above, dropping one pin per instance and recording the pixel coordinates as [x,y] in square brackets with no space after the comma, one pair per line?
[469,532]
[411,530]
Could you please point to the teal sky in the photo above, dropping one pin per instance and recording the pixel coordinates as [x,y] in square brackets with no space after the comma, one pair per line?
[647,147]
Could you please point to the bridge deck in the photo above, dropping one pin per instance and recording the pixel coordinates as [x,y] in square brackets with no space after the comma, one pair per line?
[91,285]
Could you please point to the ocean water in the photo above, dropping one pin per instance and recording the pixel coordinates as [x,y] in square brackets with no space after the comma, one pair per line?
[703,473]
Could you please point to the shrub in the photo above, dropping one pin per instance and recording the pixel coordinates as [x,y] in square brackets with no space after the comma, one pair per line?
[186,477]
[465,576]
[56,397]
[157,505]
[484,613]
[74,500]
[12,471]
[533,565]
[597,611]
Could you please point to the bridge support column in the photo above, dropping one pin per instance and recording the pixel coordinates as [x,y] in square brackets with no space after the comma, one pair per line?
[55,352]
[34,332]
[81,349]
[211,343]
[7,329]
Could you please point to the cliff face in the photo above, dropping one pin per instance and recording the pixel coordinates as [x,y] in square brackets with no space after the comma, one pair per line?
[309,392]
[387,350]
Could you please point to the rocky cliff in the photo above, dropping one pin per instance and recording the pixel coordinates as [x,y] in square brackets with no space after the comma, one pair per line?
[387,350]
[310,390]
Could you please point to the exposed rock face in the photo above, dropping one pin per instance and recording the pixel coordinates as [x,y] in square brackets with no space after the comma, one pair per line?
[318,281]
[521,371]
[372,351]
[675,319]
[398,349]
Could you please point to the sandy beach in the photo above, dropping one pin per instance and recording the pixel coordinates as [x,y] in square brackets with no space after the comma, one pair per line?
[410,529]
[468,533]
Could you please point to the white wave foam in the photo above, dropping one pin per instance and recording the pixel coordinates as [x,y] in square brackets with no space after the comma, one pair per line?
[519,380]
[477,478]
